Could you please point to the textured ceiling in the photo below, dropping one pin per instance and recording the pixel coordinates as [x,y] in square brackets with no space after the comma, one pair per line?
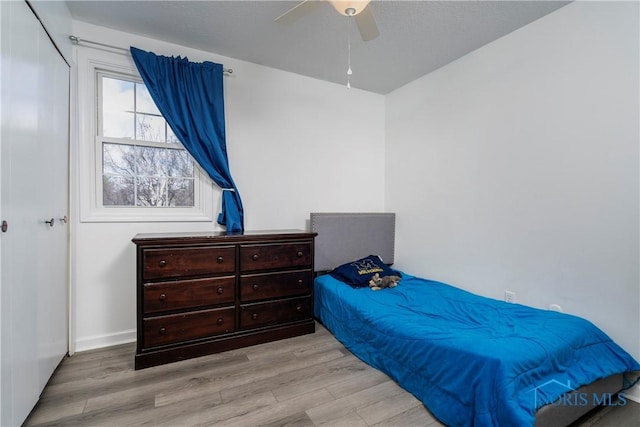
[416,37]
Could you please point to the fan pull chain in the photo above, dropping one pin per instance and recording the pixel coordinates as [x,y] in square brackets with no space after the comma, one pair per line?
[350,14]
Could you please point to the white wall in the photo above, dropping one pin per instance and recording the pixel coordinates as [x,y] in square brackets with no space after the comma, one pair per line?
[516,167]
[296,145]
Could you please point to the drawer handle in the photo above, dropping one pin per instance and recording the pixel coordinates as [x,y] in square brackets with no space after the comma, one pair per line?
[162,297]
[300,282]
[300,254]
[220,321]
[298,308]
[255,257]
[162,331]
[162,263]
[254,316]
[256,287]
[220,291]
[220,260]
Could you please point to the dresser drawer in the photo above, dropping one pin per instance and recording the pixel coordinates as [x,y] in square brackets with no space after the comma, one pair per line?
[255,287]
[265,257]
[181,294]
[184,262]
[274,312]
[175,328]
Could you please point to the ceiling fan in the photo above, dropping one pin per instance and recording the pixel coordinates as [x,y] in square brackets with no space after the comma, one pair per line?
[359,10]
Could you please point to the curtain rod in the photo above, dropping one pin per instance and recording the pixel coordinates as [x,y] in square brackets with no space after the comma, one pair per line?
[77,40]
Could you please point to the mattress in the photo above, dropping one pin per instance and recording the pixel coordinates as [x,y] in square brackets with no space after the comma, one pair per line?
[472,360]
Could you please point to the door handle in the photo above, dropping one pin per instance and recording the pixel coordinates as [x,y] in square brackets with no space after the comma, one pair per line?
[51,222]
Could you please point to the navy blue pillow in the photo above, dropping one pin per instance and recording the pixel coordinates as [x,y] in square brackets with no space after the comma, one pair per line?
[358,273]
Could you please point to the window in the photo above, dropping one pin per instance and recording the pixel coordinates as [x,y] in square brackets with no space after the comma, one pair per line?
[130,165]
[143,163]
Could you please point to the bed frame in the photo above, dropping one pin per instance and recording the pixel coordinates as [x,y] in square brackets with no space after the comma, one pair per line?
[344,237]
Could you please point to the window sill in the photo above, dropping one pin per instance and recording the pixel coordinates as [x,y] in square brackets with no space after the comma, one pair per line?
[119,216]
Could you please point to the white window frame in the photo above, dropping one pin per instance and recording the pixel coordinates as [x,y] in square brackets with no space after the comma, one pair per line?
[92,63]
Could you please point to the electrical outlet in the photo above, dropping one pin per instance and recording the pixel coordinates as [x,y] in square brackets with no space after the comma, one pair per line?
[510,296]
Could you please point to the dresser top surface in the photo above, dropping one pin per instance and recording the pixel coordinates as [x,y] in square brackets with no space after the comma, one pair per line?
[142,239]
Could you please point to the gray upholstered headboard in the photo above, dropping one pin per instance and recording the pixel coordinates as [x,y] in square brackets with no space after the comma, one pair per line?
[344,237]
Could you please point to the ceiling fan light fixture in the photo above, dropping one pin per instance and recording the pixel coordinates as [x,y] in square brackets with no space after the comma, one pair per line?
[346,8]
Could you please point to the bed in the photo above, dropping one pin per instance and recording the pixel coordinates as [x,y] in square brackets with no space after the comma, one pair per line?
[473,361]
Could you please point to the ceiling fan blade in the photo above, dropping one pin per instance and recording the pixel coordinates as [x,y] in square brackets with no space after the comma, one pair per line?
[367,24]
[296,12]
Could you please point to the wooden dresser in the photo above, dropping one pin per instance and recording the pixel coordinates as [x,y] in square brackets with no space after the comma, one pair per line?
[199,293]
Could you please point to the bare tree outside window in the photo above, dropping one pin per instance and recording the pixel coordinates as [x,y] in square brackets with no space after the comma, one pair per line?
[143,163]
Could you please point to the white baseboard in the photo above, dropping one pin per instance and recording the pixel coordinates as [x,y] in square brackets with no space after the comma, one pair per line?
[101,341]
[633,393]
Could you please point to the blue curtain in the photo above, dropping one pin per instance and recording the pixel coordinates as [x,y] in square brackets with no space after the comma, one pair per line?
[190,97]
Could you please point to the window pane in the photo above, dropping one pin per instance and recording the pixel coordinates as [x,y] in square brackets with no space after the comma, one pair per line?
[151,161]
[171,137]
[180,192]
[117,191]
[117,108]
[179,164]
[137,174]
[150,128]
[118,159]
[144,102]
[152,192]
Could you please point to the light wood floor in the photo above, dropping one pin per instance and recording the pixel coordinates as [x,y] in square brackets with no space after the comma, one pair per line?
[310,380]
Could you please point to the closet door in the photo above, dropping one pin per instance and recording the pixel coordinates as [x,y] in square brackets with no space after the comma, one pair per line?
[53,202]
[34,172]
[19,197]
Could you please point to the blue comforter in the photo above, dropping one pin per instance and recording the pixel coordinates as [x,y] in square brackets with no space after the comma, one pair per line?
[471,360]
